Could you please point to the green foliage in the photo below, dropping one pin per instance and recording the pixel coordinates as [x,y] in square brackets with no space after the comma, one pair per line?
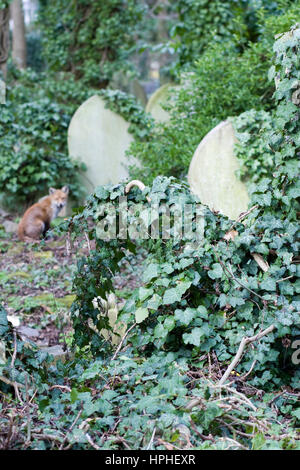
[223,83]
[4,3]
[252,150]
[91,40]
[203,22]
[34,59]
[86,403]
[206,296]
[200,23]
[279,195]
[33,146]
[196,298]
[127,106]
[33,127]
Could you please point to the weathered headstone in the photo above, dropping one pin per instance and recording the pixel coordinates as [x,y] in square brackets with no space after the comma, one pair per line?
[99,138]
[212,173]
[160,97]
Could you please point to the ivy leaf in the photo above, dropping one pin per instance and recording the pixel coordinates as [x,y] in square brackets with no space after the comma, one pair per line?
[154,302]
[175,293]
[144,293]
[268,284]
[216,272]
[150,272]
[185,317]
[141,314]
[193,337]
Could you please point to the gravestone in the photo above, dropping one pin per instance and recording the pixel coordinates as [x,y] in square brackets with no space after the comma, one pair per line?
[212,173]
[160,97]
[99,138]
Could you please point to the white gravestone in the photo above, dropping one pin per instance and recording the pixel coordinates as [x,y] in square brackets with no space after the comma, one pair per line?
[160,97]
[99,138]
[212,173]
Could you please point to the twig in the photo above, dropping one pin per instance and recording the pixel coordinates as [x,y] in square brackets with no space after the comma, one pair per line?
[9,433]
[91,442]
[71,427]
[122,341]
[234,442]
[15,385]
[249,371]
[151,440]
[137,183]
[68,243]
[286,278]
[61,387]
[226,270]
[209,365]
[245,341]
[10,382]
[122,440]
[244,214]
[239,219]
[28,438]
[88,241]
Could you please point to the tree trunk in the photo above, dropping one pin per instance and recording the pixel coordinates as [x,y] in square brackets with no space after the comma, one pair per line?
[18,36]
[4,39]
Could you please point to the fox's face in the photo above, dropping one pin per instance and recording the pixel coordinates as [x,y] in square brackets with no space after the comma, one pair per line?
[59,198]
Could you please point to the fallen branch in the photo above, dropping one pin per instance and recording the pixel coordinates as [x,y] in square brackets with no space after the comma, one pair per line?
[245,341]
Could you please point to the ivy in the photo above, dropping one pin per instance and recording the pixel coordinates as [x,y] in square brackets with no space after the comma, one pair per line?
[93,41]
[219,289]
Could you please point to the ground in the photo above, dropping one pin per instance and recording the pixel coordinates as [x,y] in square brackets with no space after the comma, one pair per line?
[36,284]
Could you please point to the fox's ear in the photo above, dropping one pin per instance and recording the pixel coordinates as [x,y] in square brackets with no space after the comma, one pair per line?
[52,190]
[65,189]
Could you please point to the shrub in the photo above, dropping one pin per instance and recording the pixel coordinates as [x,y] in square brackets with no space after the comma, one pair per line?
[91,40]
[255,156]
[33,145]
[223,83]
[203,22]
[34,124]
[205,297]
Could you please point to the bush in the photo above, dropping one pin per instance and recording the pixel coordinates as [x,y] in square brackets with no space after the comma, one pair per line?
[34,124]
[33,145]
[223,83]
[255,156]
[205,296]
[203,22]
[91,40]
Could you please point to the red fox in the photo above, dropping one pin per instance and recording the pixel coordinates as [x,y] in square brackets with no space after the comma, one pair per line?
[36,220]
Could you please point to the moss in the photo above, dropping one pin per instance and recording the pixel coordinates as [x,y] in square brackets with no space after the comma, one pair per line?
[43,254]
[46,299]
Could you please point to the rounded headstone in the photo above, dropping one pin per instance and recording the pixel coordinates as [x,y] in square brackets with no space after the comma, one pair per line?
[212,173]
[160,97]
[99,138]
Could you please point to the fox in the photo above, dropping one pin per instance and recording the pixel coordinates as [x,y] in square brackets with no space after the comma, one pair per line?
[37,218]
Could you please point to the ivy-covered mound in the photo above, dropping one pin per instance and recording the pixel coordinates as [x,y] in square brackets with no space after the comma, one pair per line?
[206,298]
